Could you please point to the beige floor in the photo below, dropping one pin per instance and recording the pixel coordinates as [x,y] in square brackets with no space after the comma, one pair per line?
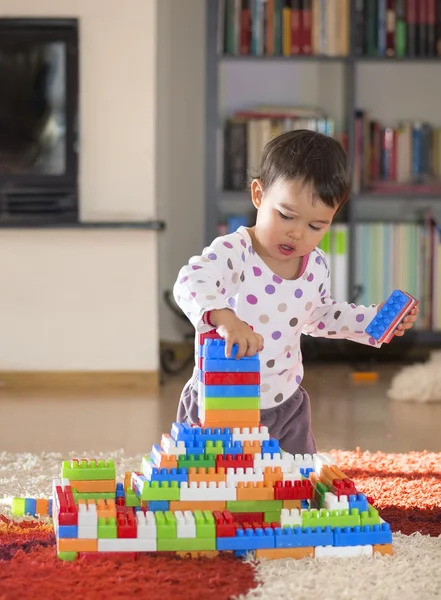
[345,416]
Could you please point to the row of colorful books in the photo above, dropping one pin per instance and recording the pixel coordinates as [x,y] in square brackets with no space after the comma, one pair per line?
[284,27]
[409,153]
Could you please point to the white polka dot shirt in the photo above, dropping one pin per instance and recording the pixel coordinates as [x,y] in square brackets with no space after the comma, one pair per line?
[230,274]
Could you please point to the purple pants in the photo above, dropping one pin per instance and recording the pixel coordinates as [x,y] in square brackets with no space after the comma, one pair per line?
[290,423]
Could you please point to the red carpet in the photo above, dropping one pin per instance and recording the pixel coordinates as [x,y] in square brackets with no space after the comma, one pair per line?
[406,489]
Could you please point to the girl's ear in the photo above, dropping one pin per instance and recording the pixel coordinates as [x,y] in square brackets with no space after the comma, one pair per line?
[256,192]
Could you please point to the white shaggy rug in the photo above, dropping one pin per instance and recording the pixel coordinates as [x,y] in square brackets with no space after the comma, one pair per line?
[413,573]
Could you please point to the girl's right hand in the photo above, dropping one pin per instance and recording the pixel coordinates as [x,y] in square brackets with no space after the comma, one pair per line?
[235,331]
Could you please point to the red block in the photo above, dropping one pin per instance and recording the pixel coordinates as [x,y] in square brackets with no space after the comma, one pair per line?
[126,523]
[293,490]
[68,513]
[231,378]
[344,487]
[240,518]
[240,461]
[225,526]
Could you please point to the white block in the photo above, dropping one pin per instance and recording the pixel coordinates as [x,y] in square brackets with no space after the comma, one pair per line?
[127,545]
[145,525]
[209,491]
[343,551]
[290,517]
[333,503]
[171,447]
[87,515]
[292,475]
[303,461]
[244,475]
[284,461]
[255,434]
[186,524]
[65,482]
[322,459]
[88,532]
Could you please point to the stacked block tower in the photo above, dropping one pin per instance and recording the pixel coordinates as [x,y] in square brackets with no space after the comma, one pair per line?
[222,486]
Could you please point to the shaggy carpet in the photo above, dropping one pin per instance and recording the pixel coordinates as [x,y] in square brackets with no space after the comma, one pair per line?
[405,487]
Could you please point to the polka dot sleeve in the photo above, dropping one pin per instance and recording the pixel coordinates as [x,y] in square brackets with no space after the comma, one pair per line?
[210,281]
[339,320]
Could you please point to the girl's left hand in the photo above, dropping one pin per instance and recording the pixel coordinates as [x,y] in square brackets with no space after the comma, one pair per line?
[406,323]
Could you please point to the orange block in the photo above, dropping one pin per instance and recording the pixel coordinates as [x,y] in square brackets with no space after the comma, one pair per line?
[42,506]
[231,418]
[252,448]
[338,473]
[327,476]
[292,504]
[105,485]
[383,549]
[272,474]
[168,461]
[365,377]
[106,508]
[127,480]
[252,491]
[200,505]
[77,545]
[203,474]
[275,553]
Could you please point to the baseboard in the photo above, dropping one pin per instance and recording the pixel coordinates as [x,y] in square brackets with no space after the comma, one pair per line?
[146,381]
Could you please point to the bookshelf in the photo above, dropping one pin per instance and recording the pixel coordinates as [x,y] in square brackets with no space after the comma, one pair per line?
[228,74]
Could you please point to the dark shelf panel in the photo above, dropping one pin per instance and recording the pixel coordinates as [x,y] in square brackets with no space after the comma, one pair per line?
[398,59]
[325,58]
[395,196]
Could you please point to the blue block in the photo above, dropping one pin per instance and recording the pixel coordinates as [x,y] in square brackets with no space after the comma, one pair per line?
[234,449]
[230,365]
[363,536]
[270,447]
[207,434]
[50,507]
[194,447]
[215,349]
[394,305]
[182,432]
[67,531]
[30,506]
[306,472]
[158,505]
[120,490]
[230,391]
[169,475]
[305,504]
[247,540]
[360,502]
[297,537]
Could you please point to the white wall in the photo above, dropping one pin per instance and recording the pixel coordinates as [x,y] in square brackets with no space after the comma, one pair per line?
[88,299]
[181,130]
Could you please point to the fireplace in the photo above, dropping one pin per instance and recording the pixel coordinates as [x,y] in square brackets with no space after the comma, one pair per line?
[38,121]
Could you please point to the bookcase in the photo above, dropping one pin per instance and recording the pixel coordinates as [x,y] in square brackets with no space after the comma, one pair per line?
[386,200]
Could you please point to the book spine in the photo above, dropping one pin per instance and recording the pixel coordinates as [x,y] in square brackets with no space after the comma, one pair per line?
[400,28]
[431,28]
[286,29]
[296,41]
[306,26]
[381,19]
[390,27]
[359,31]
[411,18]
[245,28]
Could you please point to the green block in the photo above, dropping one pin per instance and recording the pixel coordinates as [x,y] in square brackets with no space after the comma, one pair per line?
[166,526]
[232,403]
[88,470]
[160,490]
[18,506]
[319,494]
[205,525]
[107,528]
[272,516]
[256,506]
[93,496]
[67,556]
[186,544]
[131,498]
[213,449]
[371,517]
[333,518]
[198,460]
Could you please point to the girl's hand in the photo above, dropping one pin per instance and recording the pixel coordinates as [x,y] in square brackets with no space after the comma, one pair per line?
[406,323]
[235,331]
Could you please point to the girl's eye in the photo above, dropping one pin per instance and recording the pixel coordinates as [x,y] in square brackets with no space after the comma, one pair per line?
[284,216]
[315,228]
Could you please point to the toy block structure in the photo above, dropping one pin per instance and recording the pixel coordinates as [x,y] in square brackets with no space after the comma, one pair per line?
[223,485]
[394,310]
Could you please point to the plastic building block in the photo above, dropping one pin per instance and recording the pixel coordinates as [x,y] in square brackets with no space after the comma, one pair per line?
[224,486]
[215,349]
[397,306]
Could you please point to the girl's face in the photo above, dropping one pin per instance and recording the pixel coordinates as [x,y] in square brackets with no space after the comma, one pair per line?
[290,221]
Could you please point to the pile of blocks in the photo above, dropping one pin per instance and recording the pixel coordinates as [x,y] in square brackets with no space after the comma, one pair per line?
[223,486]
